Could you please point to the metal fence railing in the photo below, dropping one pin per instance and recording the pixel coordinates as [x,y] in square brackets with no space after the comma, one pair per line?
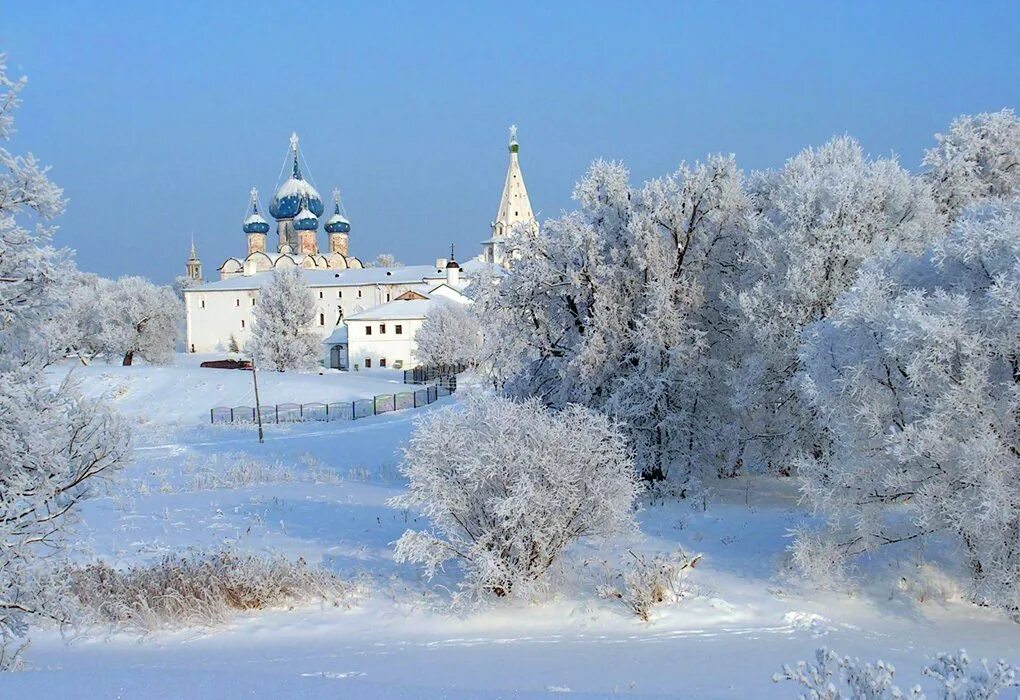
[432,373]
[339,410]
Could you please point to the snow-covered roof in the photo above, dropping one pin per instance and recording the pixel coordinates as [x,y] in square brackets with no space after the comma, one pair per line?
[411,274]
[412,308]
[338,336]
[396,310]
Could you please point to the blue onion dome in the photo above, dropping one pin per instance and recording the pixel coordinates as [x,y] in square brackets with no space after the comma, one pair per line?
[305,219]
[337,223]
[286,203]
[255,223]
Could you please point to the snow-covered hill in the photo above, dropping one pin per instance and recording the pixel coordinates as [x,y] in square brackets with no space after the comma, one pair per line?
[320,491]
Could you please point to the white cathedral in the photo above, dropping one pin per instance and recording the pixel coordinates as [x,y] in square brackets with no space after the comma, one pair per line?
[367,315]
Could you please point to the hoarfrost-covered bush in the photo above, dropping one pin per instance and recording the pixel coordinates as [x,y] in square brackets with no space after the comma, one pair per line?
[834,677]
[916,379]
[282,336]
[54,445]
[195,588]
[450,335]
[509,485]
[646,583]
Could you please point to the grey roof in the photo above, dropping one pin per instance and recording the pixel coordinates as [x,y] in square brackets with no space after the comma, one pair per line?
[412,274]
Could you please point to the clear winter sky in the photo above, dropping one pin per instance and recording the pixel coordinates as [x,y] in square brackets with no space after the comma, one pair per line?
[158,117]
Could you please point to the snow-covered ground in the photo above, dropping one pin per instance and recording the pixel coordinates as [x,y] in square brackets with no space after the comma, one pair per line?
[320,490]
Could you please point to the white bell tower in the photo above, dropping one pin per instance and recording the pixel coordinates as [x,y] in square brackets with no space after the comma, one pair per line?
[514,207]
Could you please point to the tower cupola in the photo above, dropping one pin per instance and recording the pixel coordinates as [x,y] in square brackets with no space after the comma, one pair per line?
[306,224]
[286,203]
[338,227]
[255,226]
[305,219]
[337,223]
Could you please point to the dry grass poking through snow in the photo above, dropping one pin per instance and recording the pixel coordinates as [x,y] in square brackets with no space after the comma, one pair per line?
[194,589]
[646,583]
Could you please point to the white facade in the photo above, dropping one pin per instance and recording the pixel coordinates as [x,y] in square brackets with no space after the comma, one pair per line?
[218,311]
[385,336]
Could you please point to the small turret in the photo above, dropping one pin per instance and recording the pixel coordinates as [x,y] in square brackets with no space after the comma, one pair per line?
[255,226]
[307,225]
[338,228]
[453,271]
[194,265]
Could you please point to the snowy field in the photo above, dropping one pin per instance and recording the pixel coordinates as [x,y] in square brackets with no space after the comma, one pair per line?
[319,491]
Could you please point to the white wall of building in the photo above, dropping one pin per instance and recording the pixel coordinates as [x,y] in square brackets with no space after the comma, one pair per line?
[213,315]
[384,343]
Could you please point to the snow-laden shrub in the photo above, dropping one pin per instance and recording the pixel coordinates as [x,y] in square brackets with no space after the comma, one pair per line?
[915,377]
[834,677]
[645,583]
[508,486]
[195,588]
[282,334]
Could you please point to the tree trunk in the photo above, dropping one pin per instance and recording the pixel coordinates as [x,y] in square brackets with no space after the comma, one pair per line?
[129,356]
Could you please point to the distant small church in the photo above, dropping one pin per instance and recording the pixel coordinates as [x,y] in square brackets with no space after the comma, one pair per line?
[367,316]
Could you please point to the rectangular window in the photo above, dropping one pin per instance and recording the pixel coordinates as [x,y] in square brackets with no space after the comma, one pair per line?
[359,293]
[387,297]
[242,323]
[203,303]
[339,294]
[368,330]
[382,328]
[322,319]
[368,362]
[382,362]
[398,329]
[253,301]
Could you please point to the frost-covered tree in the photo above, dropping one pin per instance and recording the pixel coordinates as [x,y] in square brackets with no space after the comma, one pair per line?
[915,377]
[140,319]
[53,444]
[824,213]
[386,260]
[181,283]
[507,486]
[620,306]
[450,335]
[977,159]
[282,335]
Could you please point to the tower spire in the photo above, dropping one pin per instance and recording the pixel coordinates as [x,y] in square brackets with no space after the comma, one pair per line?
[296,172]
[514,206]
[193,266]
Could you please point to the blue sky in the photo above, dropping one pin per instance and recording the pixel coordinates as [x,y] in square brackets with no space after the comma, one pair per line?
[158,118]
